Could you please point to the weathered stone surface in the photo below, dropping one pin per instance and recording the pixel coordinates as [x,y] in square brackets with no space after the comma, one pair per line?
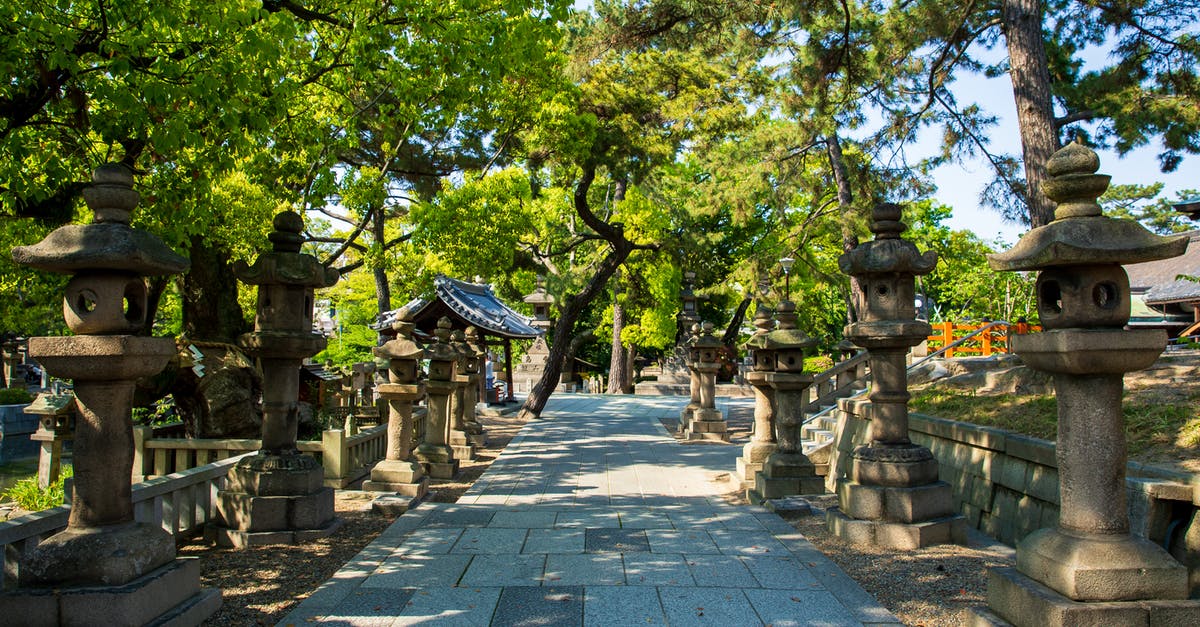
[1024,602]
[84,556]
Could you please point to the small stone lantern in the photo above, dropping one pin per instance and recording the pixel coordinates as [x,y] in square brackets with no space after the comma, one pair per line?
[1089,565]
[787,471]
[279,496]
[894,498]
[693,358]
[397,472]
[707,422]
[541,301]
[105,568]
[475,366]
[464,379]
[434,453]
[762,441]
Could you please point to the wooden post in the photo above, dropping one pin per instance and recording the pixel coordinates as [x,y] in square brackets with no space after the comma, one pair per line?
[141,467]
[508,367]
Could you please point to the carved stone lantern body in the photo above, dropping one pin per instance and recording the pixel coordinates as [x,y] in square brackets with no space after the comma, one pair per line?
[692,354]
[541,300]
[279,495]
[893,497]
[707,422]
[762,441]
[434,453]
[787,470]
[466,370]
[1090,562]
[105,567]
[475,369]
[397,472]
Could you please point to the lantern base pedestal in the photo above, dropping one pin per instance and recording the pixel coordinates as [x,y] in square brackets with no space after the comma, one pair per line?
[111,555]
[393,505]
[1016,599]
[441,470]
[437,460]
[460,443]
[897,535]
[400,476]
[1091,567]
[707,424]
[168,595]
[274,506]
[685,415]
[786,474]
[754,455]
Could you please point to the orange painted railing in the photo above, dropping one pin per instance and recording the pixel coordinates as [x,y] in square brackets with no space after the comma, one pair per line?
[989,342]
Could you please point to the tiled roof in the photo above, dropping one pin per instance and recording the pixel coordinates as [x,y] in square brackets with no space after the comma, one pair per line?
[1157,278]
[471,304]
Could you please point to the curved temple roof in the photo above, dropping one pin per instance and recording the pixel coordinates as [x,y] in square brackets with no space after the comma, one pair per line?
[472,304]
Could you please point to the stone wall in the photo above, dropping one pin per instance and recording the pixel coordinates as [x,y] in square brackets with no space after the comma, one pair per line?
[1006,484]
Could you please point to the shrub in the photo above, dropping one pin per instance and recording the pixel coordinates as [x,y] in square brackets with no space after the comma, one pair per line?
[26,493]
[15,396]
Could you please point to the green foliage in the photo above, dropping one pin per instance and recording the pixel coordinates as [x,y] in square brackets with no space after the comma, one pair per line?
[28,496]
[353,302]
[15,396]
[1141,203]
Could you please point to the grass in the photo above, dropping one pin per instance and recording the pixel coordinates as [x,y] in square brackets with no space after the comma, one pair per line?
[1157,427]
[28,496]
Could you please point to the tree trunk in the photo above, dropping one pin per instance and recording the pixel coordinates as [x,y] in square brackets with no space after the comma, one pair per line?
[574,305]
[618,374]
[211,311]
[735,325]
[845,196]
[383,291]
[1028,70]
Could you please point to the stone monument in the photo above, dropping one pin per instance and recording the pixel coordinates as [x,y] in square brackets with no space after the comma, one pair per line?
[762,441]
[693,358]
[434,452]
[1088,569]
[529,371]
[278,496]
[707,422]
[893,498]
[105,568]
[787,471]
[397,472]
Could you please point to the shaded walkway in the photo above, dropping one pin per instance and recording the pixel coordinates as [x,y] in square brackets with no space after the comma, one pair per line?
[594,515]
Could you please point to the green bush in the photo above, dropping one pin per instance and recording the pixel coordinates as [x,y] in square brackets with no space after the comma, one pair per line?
[26,493]
[15,396]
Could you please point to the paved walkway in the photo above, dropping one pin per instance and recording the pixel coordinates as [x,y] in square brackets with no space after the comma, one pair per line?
[594,515]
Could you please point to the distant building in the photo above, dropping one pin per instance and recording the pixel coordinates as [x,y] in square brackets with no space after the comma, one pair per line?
[1162,300]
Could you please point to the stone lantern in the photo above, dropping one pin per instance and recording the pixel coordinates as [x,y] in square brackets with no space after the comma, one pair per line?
[693,358]
[707,423]
[1089,567]
[541,300]
[474,365]
[787,470]
[688,316]
[762,441]
[11,346]
[894,498]
[434,453]
[465,361]
[397,472]
[278,496]
[105,568]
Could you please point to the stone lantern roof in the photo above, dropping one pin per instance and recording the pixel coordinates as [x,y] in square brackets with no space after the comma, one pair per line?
[108,243]
[887,254]
[1080,234]
[539,295]
[763,323]
[402,346]
[788,336]
[285,265]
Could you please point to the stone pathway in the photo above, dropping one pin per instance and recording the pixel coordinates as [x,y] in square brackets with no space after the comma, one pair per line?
[594,515]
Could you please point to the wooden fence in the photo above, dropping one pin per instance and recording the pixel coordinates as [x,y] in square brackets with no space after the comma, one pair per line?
[988,342]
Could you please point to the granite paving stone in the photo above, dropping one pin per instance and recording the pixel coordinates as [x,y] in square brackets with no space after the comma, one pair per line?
[490,540]
[415,571]
[551,605]
[608,606]
[524,520]
[690,542]
[505,570]
[721,571]
[430,541]
[716,607]
[554,541]
[656,569]
[451,607]
[371,607]
[587,569]
[799,608]
[616,540]
[778,571]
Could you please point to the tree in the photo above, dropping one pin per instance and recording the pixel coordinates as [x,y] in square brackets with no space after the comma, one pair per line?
[1150,89]
[1141,203]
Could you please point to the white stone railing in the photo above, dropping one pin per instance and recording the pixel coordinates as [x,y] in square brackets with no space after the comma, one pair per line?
[182,503]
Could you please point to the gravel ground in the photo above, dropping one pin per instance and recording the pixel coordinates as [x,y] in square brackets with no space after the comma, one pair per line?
[261,585]
[933,587]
